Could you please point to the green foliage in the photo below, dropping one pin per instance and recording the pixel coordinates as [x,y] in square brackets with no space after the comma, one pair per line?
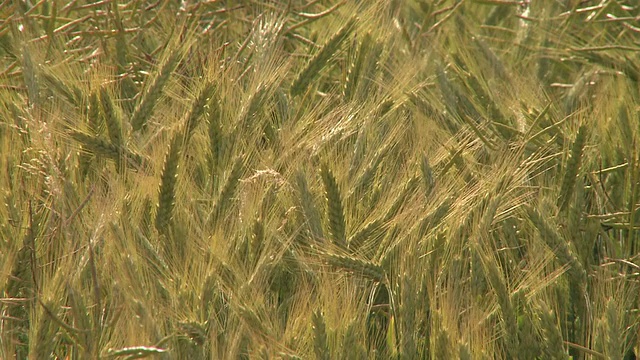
[264,179]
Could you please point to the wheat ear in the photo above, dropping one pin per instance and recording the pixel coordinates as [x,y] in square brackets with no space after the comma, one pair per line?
[167,193]
[353,74]
[553,337]
[571,170]
[320,346]
[111,119]
[335,212]
[309,210]
[614,347]
[228,189]
[366,233]
[216,137]
[357,266]
[107,149]
[315,65]
[30,77]
[197,110]
[144,109]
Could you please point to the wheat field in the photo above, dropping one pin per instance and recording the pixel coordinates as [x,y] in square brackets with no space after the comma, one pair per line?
[318,179]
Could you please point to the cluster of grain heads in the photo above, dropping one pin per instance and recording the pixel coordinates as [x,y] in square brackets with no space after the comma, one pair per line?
[363,184]
[43,340]
[509,321]
[128,86]
[320,59]
[352,345]
[408,309]
[70,92]
[407,190]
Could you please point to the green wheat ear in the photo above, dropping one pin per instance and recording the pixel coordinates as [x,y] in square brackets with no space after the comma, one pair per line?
[319,61]
[150,97]
[335,212]
[167,193]
[357,266]
[320,346]
[198,109]
[353,75]
[572,169]
[111,119]
[228,190]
